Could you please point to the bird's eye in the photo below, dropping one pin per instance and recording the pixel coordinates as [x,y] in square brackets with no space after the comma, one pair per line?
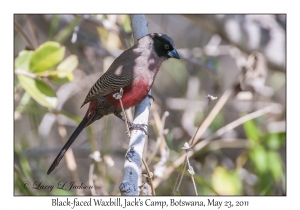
[167,46]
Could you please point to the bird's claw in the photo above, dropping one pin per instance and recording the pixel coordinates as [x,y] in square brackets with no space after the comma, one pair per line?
[150,96]
[140,127]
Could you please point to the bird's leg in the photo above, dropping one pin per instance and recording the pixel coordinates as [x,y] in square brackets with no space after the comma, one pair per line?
[150,96]
[140,127]
[131,125]
[119,96]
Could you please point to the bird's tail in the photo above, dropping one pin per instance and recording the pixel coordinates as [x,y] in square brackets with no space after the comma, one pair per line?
[85,122]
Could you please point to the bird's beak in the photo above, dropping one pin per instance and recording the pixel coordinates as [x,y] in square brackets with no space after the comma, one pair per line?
[173,54]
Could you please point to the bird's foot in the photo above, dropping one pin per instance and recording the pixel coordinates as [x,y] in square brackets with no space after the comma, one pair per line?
[150,96]
[140,127]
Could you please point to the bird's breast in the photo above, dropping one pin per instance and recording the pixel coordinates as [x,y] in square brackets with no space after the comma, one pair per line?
[133,94]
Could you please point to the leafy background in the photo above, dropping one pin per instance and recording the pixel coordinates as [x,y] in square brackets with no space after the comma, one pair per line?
[59,57]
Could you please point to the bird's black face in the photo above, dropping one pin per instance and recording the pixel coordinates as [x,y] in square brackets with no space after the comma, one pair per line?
[164,46]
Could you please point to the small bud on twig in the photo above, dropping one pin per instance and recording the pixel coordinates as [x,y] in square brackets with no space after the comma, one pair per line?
[211,98]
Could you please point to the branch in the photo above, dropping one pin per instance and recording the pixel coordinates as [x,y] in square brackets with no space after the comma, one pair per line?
[249,33]
[132,165]
[23,34]
[200,145]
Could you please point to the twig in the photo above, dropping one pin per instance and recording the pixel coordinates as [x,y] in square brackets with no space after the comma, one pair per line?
[32,31]
[119,97]
[208,120]
[26,73]
[179,179]
[20,30]
[221,131]
[149,176]
[187,148]
[76,29]
[91,180]
[160,126]
[228,143]
[191,169]
[126,121]
[235,124]
[163,121]
[210,98]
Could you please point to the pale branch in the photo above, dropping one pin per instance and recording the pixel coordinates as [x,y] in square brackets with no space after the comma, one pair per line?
[134,155]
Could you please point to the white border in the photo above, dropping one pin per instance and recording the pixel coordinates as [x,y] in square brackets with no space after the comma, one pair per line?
[291,201]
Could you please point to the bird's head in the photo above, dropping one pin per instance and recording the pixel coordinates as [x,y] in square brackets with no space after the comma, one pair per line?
[163,46]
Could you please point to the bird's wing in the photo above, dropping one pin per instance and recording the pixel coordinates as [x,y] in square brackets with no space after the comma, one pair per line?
[119,75]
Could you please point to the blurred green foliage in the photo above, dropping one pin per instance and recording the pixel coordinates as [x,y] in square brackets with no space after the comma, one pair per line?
[41,64]
[264,155]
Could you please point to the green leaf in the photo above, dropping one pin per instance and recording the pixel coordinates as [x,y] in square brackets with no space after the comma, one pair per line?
[39,91]
[259,157]
[226,182]
[69,64]
[47,56]
[273,141]
[204,183]
[253,133]
[275,165]
[22,61]
[64,71]
[60,76]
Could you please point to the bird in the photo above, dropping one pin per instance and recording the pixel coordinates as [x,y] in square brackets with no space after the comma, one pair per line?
[133,72]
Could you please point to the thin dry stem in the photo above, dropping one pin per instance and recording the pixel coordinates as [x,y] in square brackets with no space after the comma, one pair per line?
[179,179]
[126,121]
[91,180]
[221,131]
[23,34]
[193,138]
[212,115]
[187,160]
[191,172]
[32,31]
[149,176]
[160,123]
[234,124]
[119,96]
[76,28]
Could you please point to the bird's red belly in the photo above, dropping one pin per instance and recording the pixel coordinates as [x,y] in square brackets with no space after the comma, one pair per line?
[133,95]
